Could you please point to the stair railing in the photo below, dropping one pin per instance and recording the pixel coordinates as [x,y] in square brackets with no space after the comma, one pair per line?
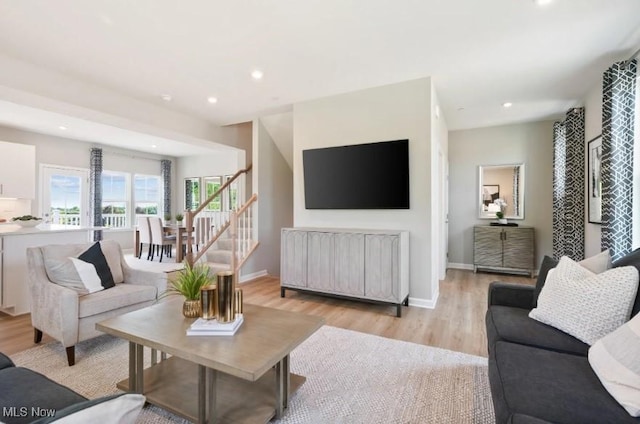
[214,222]
[242,233]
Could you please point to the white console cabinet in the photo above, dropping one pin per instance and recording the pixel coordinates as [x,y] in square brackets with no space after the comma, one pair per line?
[370,265]
[17,170]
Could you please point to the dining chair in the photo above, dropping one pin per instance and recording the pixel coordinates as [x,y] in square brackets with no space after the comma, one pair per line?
[159,239]
[144,235]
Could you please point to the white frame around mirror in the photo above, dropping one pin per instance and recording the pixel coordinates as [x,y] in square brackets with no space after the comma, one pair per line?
[491,199]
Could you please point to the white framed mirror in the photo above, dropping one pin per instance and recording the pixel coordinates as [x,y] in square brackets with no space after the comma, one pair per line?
[501,189]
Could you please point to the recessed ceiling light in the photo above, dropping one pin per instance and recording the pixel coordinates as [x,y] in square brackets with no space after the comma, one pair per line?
[62,127]
[166,97]
[257,74]
[507,104]
[212,100]
[460,109]
[542,2]
[153,146]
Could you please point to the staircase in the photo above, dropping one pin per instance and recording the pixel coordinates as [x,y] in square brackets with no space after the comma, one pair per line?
[224,239]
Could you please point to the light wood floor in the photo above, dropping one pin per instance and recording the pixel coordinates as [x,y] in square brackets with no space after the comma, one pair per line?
[457,322]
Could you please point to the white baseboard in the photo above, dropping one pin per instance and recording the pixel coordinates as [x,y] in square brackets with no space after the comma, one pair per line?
[454,265]
[253,276]
[424,303]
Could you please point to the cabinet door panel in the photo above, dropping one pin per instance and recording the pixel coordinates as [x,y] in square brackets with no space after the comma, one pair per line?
[487,246]
[320,261]
[518,248]
[349,264]
[293,265]
[382,276]
[17,170]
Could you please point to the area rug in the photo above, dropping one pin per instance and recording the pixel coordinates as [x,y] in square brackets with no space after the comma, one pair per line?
[352,377]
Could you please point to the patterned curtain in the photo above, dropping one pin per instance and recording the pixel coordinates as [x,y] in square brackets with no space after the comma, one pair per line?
[516,190]
[95,191]
[618,110]
[559,162]
[568,186]
[188,194]
[166,180]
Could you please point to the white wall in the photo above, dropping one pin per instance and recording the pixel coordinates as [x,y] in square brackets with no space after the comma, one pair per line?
[592,129]
[529,143]
[392,112]
[273,180]
[73,153]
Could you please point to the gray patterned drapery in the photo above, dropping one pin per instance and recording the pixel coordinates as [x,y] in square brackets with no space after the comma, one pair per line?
[95,191]
[568,186]
[559,163]
[188,194]
[516,190]
[618,115]
[166,181]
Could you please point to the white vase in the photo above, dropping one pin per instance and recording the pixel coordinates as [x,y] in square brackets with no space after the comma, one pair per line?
[502,220]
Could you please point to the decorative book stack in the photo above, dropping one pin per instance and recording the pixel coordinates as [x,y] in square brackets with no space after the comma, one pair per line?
[203,327]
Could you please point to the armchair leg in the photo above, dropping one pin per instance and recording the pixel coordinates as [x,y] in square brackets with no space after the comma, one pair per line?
[37,336]
[71,355]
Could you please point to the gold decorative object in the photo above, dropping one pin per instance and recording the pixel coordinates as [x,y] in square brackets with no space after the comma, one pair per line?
[191,308]
[239,302]
[208,301]
[225,296]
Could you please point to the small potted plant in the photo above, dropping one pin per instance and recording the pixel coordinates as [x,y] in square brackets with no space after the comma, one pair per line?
[188,284]
[167,218]
[501,218]
[179,218]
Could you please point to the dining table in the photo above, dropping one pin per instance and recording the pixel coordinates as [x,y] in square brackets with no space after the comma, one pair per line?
[178,229]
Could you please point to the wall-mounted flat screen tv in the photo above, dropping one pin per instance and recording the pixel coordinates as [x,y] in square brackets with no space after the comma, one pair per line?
[361,176]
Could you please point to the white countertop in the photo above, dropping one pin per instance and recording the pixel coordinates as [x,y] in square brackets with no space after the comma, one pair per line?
[10,229]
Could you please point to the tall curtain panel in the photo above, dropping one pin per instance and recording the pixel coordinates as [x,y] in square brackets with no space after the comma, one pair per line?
[568,186]
[618,135]
[559,172]
[188,194]
[166,181]
[95,191]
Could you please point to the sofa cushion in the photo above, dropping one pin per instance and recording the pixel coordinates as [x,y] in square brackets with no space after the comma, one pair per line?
[550,386]
[548,263]
[117,297]
[5,361]
[616,361]
[632,259]
[584,304]
[94,256]
[122,408]
[514,325]
[23,388]
[526,419]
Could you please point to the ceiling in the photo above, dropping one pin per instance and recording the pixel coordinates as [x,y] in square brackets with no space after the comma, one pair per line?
[479,53]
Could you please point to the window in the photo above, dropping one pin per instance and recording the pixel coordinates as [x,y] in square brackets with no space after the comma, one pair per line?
[115,204]
[147,194]
[64,195]
[232,198]
[212,184]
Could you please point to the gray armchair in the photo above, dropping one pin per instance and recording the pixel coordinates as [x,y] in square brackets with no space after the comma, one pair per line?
[69,317]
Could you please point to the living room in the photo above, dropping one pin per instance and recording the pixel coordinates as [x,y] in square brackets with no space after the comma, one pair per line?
[466,85]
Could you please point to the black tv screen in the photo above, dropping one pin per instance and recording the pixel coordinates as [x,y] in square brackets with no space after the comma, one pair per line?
[361,176]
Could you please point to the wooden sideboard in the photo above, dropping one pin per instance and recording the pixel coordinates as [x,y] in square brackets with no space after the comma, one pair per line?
[503,248]
[369,265]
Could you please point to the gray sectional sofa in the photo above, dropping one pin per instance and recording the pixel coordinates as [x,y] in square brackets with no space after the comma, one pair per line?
[539,374]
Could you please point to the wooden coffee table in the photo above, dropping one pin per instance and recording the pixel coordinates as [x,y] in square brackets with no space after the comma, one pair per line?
[243,378]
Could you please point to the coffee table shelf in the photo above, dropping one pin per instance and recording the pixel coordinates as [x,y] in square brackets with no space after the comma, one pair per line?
[173,385]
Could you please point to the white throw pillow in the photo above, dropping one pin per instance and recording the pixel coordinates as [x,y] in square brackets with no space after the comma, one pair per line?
[88,275]
[598,263]
[616,361]
[585,305]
